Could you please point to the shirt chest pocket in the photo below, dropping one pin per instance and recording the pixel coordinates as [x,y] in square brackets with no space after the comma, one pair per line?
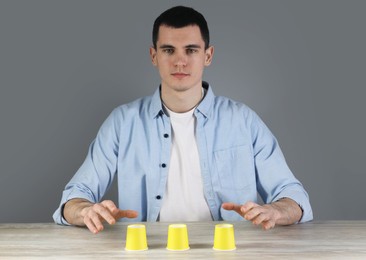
[235,167]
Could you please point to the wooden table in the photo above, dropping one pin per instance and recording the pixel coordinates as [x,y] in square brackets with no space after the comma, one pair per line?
[328,239]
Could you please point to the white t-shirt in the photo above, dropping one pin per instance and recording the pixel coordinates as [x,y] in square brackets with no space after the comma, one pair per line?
[184,198]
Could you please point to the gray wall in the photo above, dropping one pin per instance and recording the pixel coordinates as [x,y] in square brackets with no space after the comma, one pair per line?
[64,65]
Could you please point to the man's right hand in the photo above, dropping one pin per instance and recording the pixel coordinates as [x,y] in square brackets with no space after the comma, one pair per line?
[82,212]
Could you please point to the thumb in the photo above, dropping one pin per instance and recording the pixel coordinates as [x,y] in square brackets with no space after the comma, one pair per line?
[126,214]
[232,206]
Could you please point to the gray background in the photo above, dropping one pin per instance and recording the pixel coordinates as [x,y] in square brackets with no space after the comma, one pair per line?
[64,65]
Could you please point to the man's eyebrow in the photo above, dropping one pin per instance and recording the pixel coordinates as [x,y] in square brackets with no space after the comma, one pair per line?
[189,46]
[193,46]
[166,46]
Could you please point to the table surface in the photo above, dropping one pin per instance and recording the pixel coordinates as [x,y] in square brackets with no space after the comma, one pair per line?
[318,239]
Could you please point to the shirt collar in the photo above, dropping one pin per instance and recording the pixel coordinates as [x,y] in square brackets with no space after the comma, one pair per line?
[204,107]
[156,107]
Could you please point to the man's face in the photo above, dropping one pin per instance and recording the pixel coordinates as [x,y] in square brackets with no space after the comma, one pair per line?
[180,57]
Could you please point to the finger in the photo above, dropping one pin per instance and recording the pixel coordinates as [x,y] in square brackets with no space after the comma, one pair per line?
[232,206]
[110,206]
[97,221]
[260,218]
[126,214]
[253,213]
[248,206]
[90,225]
[94,220]
[103,213]
[268,225]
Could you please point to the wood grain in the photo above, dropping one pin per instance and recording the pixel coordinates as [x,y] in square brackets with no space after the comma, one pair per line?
[321,240]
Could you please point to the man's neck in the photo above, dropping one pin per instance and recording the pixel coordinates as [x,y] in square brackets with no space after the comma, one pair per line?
[181,101]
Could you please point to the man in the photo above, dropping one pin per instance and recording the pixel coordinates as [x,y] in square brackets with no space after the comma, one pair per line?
[184,154]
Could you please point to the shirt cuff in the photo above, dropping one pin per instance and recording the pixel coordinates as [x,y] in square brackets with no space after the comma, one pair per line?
[74,194]
[302,200]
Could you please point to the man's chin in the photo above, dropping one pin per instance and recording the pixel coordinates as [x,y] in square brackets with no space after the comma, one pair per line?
[179,87]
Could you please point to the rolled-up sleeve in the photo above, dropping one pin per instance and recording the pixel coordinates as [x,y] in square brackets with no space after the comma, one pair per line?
[274,178]
[96,174]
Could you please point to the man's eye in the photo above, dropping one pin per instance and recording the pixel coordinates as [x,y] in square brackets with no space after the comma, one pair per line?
[191,51]
[168,51]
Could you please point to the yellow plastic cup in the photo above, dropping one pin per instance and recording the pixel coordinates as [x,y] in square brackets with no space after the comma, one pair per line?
[177,237]
[224,239]
[136,238]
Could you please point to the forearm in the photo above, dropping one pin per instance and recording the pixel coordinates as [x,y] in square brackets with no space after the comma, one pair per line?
[289,212]
[73,211]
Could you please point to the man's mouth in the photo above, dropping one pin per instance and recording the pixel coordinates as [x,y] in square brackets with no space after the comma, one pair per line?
[180,75]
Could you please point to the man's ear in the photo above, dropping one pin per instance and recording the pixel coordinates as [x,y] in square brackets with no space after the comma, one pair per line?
[209,52]
[153,56]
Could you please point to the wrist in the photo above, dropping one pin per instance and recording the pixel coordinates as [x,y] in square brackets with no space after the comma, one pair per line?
[75,210]
[83,207]
[278,211]
[289,211]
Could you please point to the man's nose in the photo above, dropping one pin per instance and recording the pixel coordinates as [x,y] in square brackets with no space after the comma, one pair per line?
[180,59]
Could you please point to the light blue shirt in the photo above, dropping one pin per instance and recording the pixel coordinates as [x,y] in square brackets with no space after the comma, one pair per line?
[239,157]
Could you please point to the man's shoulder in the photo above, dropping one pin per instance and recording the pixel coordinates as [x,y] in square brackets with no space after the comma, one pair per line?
[226,104]
[135,106]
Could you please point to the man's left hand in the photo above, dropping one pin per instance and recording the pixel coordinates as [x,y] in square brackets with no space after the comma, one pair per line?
[282,212]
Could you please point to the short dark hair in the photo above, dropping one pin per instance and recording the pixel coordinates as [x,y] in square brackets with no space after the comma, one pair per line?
[178,17]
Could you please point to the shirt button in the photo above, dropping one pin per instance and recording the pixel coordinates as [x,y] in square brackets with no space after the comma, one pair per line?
[163,165]
[166,135]
[158,197]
